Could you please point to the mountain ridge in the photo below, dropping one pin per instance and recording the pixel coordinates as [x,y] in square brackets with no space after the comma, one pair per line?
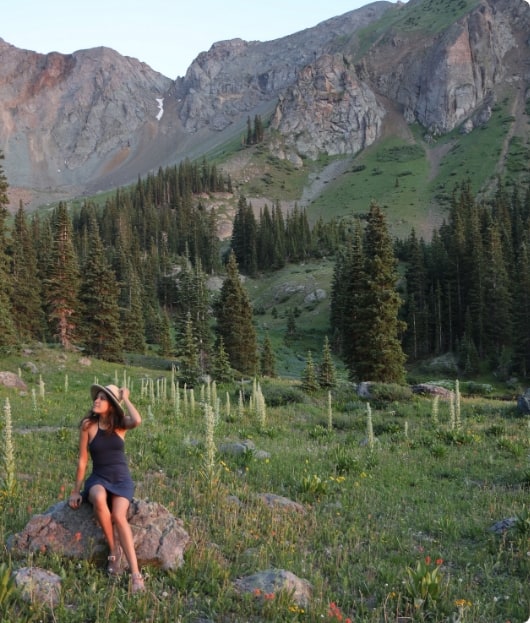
[78,124]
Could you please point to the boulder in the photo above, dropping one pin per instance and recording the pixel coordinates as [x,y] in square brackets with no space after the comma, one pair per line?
[523,402]
[279,502]
[10,379]
[274,581]
[430,389]
[159,538]
[38,586]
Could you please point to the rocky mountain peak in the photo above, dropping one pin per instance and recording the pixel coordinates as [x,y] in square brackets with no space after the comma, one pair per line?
[93,120]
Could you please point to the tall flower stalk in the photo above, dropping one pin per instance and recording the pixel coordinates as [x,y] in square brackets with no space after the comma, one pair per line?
[8,452]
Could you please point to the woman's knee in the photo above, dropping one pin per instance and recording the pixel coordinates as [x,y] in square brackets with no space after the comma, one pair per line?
[97,496]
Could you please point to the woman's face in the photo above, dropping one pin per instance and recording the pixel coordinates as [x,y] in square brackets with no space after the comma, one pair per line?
[101,404]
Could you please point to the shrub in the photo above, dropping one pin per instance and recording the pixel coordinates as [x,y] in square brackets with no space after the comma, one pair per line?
[390,392]
[278,395]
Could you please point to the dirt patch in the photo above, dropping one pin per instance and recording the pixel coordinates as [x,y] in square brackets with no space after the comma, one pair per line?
[434,158]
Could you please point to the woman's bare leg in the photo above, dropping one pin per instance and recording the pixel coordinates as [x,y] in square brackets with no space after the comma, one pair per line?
[97,496]
[120,506]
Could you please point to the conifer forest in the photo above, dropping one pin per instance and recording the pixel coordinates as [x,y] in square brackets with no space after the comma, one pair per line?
[132,272]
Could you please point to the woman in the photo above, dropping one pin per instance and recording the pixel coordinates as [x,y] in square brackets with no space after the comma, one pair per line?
[110,487]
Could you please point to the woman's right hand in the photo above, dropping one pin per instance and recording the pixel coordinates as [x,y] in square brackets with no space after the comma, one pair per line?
[75,500]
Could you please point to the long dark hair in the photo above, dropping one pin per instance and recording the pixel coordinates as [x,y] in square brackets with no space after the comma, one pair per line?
[116,419]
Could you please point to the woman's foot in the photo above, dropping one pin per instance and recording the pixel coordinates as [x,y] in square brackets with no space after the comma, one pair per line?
[114,563]
[137,583]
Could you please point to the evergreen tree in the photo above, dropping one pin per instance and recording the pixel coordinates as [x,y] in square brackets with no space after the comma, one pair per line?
[346,298]
[416,308]
[193,299]
[309,377]
[133,320]
[521,313]
[62,281]
[166,341]
[233,312]
[326,371]
[498,326]
[468,357]
[189,369]
[291,331]
[8,336]
[244,238]
[98,294]
[221,370]
[267,359]
[26,297]
[377,354]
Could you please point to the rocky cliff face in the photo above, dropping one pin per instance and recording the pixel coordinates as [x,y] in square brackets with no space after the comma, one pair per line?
[94,120]
[69,119]
[235,76]
[440,80]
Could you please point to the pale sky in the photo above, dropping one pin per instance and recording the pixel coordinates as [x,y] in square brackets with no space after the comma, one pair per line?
[165,34]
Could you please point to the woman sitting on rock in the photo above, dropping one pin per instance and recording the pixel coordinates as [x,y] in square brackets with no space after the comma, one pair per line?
[109,488]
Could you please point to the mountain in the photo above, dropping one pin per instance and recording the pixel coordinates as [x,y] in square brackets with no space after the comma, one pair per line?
[78,124]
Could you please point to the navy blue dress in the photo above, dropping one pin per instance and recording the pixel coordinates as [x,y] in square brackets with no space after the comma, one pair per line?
[109,465]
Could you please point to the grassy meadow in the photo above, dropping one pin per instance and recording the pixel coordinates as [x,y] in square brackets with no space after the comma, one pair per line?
[400,495]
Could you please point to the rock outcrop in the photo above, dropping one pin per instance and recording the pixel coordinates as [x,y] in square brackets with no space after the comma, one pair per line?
[160,539]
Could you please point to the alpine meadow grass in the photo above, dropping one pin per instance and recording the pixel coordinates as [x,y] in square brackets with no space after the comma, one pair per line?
[399,499]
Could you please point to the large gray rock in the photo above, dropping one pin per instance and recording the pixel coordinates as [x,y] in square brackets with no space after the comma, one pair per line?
[430,389]
[38,586]
[159,538]
[523,402]
[273,581]
[10,379]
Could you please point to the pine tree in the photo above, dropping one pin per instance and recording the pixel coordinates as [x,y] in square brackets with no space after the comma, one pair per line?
[326,370]
[8,336]
[521,314]
[291,331]
[416,308]
[166,342]
[189,369]
[26,297]
[244,238]
[62,281]
[193,299]
[498,326]
[309,377]
[98,295]
[346,301]
[377,355]
[267,360]
[233,312]
[133,320]
[221,370]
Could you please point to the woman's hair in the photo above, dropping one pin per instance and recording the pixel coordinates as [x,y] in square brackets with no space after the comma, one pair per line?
[116,420]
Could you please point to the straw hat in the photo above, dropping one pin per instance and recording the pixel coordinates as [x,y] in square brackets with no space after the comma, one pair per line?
[112,392]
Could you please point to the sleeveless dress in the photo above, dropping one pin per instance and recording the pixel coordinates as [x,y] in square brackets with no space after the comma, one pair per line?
[109,465]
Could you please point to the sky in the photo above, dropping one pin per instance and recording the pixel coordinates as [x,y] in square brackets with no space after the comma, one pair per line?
[165,34]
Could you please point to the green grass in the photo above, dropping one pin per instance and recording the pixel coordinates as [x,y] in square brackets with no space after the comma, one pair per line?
[372,514]
[274,295]
[392,172]
[428,17]
[278,180]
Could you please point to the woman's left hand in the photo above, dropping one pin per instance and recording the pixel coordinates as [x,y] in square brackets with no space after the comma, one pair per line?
[75,500]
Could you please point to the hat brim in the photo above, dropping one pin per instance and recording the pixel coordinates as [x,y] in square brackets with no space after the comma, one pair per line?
[94,391]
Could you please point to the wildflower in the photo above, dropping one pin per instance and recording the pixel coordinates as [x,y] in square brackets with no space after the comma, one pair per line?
[463,603]
[269,596]
[77,536]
